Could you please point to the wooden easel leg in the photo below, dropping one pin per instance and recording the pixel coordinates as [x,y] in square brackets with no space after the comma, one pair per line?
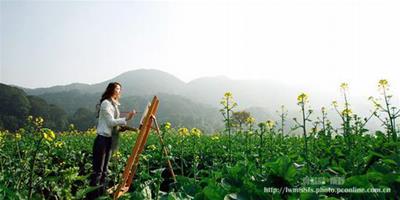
[133,162]
[166,153]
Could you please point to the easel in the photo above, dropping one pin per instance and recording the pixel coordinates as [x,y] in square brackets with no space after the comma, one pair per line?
[149,116]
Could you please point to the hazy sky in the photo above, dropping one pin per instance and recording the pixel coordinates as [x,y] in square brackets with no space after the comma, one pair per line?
[316,43]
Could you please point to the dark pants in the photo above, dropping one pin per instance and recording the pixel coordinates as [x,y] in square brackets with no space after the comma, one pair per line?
[101,157]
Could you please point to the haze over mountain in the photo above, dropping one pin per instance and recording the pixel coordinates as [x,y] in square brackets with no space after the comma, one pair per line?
[134,82]
[207,90]
[261,97]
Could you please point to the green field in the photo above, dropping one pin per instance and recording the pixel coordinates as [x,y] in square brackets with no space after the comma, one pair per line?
[251,161]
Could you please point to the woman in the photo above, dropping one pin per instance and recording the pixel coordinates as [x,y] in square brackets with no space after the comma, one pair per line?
[108,122]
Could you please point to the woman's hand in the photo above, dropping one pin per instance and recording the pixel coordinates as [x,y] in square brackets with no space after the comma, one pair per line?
[127,128]
[130,115]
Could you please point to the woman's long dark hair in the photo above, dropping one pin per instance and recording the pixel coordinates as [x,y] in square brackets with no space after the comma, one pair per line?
[107,95]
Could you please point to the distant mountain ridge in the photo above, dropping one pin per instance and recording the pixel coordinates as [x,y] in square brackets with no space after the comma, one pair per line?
[142,81]
[262,97]
[199,97]
[207,90]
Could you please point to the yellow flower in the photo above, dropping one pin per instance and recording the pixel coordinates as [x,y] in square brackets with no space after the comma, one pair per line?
[346,112]
[167,125]
[195,132]
[344,86]
[196,158]
[228,95]
[18,136]
[152,147]
[227,101]
[270,124]
[383,83]
[2,136]
[323,109]
[91,131]
[250,120]
[30,117]
[183,132]
[48,134]
[215,137]
[59,144]
[38,121]
[302,98]
[117,155]
[145,157]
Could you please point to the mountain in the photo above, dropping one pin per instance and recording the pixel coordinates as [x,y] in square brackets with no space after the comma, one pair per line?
[178,110]
[146,82]
[62,108]
[135,82]
[58,88]
[71,100]
[17,105]
[262,97]
[207,90]
[247,93]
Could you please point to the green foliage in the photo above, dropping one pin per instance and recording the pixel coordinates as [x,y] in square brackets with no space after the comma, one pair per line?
[83,119]
[38,164]
[16,106]
[62,166]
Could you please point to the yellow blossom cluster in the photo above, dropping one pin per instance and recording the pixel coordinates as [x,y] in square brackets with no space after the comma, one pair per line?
[270,124]
[117,155]
[167,125]
[228,94]
[383,84]
[183,132]
[250,120]
[195,132]
[17,136]
[347,112]
[215,137]
[302,98]
[152,147]
[48,134]
[38,121]
[344,86]
[59,144]
[2,136]
[228,97]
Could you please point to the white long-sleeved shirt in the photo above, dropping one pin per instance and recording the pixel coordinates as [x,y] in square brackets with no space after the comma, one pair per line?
[109,118]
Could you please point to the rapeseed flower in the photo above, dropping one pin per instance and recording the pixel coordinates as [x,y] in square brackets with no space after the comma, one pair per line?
[195,132]
[48,134]
[183,132]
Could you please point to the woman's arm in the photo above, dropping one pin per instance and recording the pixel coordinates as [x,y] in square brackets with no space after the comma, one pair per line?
[106,110]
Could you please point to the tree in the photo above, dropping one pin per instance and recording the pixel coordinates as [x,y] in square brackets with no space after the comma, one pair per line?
[83,119]
[239,118]
[14,107]
[58,119]
[39,107]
